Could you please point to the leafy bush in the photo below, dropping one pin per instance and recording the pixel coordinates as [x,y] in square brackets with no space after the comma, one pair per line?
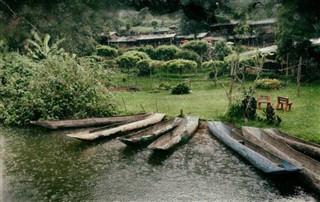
[188,55]
[181,88]
[198,46]
[106,51]
[221,50]
[144,67]
[268,84]
[221,67]
[179,66]
[148,49]
[52,89]
[130,59]
[165,52]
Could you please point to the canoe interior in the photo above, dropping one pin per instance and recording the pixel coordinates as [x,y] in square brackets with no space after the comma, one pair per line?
[310,149]
[180,135]
[146,136]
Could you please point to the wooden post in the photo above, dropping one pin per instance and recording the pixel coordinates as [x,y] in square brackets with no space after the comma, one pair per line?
[299,76]
[181,112]
[124,104]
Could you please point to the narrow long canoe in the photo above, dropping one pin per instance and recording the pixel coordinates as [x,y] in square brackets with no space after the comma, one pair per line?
[180,134]
[308,148]
[275,145]
[256,155]
[93,135]
[146,136]
[89,122]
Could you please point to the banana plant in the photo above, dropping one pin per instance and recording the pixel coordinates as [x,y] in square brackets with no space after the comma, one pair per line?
[39,48]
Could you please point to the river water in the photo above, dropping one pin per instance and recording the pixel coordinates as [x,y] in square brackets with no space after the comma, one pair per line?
[40,165]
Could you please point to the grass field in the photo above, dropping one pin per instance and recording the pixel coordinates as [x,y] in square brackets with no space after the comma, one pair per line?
[210,103]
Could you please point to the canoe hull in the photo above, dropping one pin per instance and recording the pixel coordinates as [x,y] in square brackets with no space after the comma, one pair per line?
[310,167]
[181,134]
[89,122]
[112,132]
[257,156]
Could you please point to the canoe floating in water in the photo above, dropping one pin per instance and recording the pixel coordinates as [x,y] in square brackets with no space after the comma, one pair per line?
[93,135]
[146,136]
[275,145]
[256,155]
[307,148]
[89,122]
[180,134]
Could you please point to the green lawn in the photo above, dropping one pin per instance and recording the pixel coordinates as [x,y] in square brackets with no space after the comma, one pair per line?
[210,102]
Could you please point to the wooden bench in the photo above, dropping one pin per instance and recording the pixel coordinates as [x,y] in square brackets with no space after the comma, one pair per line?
[283,103]
[263,99]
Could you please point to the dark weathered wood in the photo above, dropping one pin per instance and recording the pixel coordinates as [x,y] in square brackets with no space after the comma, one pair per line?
[255,154]
[90,136]
[149,134]
[275,145]
[89,122]
[180,134]
[308,148]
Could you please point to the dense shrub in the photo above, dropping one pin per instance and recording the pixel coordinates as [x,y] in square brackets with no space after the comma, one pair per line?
[106,51]
[145,68]
[221,50]
[212,65]
[130,59]
[199,46]
[268,84]
[188,55]
[181,88]
[180,66]
[148,49]
[52,89]
[165,52]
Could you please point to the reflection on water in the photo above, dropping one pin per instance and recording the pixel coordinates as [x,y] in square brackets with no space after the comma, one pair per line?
[48,166]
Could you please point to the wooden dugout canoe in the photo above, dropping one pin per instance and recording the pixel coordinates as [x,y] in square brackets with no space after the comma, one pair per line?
[93,135]
[89,122]
[275,145]
[307,148]
[146,136]
[256,155]
[180,134]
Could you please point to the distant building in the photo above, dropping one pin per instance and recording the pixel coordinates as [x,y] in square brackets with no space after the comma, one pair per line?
[261,33]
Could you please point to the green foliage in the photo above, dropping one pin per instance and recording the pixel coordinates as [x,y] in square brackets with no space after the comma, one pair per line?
[234,113]
[164,86]
[199,46]
[55,88]
[130,59]
[145,67]
[165,52]
[249,107]
[271,117]
[188,55]
[180,66]
[181,88]
[39,48]
[221,50]
[150,50]
[212,65]
[268,84]
[106,51]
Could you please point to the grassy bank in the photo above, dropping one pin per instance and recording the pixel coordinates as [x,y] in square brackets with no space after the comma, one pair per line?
[210,102]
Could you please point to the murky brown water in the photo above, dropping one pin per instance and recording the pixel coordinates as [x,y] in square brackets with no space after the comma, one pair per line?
[39,165]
